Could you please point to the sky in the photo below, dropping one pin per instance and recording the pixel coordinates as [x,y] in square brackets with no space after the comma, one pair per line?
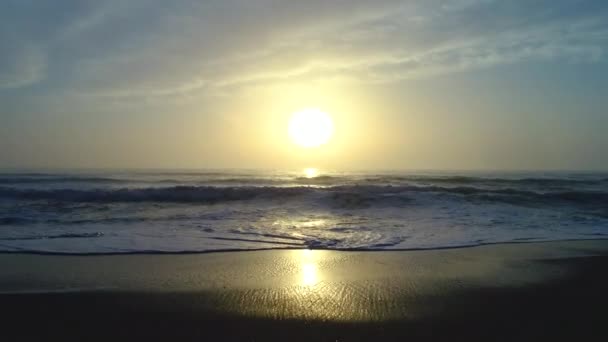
[422,84]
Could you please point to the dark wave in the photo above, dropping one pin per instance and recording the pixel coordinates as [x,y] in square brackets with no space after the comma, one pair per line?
[193,194]
[347,196]
[14,221]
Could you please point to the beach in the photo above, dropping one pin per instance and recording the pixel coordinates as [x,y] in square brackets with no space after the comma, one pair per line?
[518,291]
[264,170]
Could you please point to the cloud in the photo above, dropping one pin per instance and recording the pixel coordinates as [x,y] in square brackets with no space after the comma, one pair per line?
[576,43]
[160,49]
[21,66]
[438,41]
[28,34]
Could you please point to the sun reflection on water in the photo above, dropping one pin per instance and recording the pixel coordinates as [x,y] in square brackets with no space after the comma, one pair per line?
[311,172]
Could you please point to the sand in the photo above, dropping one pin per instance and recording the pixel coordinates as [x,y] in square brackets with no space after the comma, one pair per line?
[531,291]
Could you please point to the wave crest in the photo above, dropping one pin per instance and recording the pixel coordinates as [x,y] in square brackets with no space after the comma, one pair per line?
[347,197]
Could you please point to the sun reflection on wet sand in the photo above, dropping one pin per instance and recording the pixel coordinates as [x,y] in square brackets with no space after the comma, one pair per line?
[308,269]
[309,274]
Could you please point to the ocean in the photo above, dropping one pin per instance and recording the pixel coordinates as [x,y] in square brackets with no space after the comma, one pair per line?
[208,210]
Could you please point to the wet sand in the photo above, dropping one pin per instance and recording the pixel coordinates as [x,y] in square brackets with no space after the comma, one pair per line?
[535,291]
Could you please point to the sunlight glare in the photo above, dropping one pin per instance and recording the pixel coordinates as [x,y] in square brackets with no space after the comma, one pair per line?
[310,128]
[309,274]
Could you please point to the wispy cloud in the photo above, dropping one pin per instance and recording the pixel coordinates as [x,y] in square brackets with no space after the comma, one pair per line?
[21,66]
[153,48]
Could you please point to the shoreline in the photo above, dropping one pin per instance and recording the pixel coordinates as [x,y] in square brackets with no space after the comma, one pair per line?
[230,250]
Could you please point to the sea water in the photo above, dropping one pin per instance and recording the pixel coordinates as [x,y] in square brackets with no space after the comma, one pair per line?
[206,210]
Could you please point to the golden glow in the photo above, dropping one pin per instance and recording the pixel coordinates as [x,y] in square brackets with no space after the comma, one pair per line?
[311,172]
[310,128]
[309,274]
[309,269]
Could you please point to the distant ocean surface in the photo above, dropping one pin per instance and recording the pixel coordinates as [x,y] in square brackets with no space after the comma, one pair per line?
[192,211]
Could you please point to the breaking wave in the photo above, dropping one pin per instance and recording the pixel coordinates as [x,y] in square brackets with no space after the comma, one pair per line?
[339,196]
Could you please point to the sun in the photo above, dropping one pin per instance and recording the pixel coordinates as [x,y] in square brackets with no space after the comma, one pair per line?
[310,128]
